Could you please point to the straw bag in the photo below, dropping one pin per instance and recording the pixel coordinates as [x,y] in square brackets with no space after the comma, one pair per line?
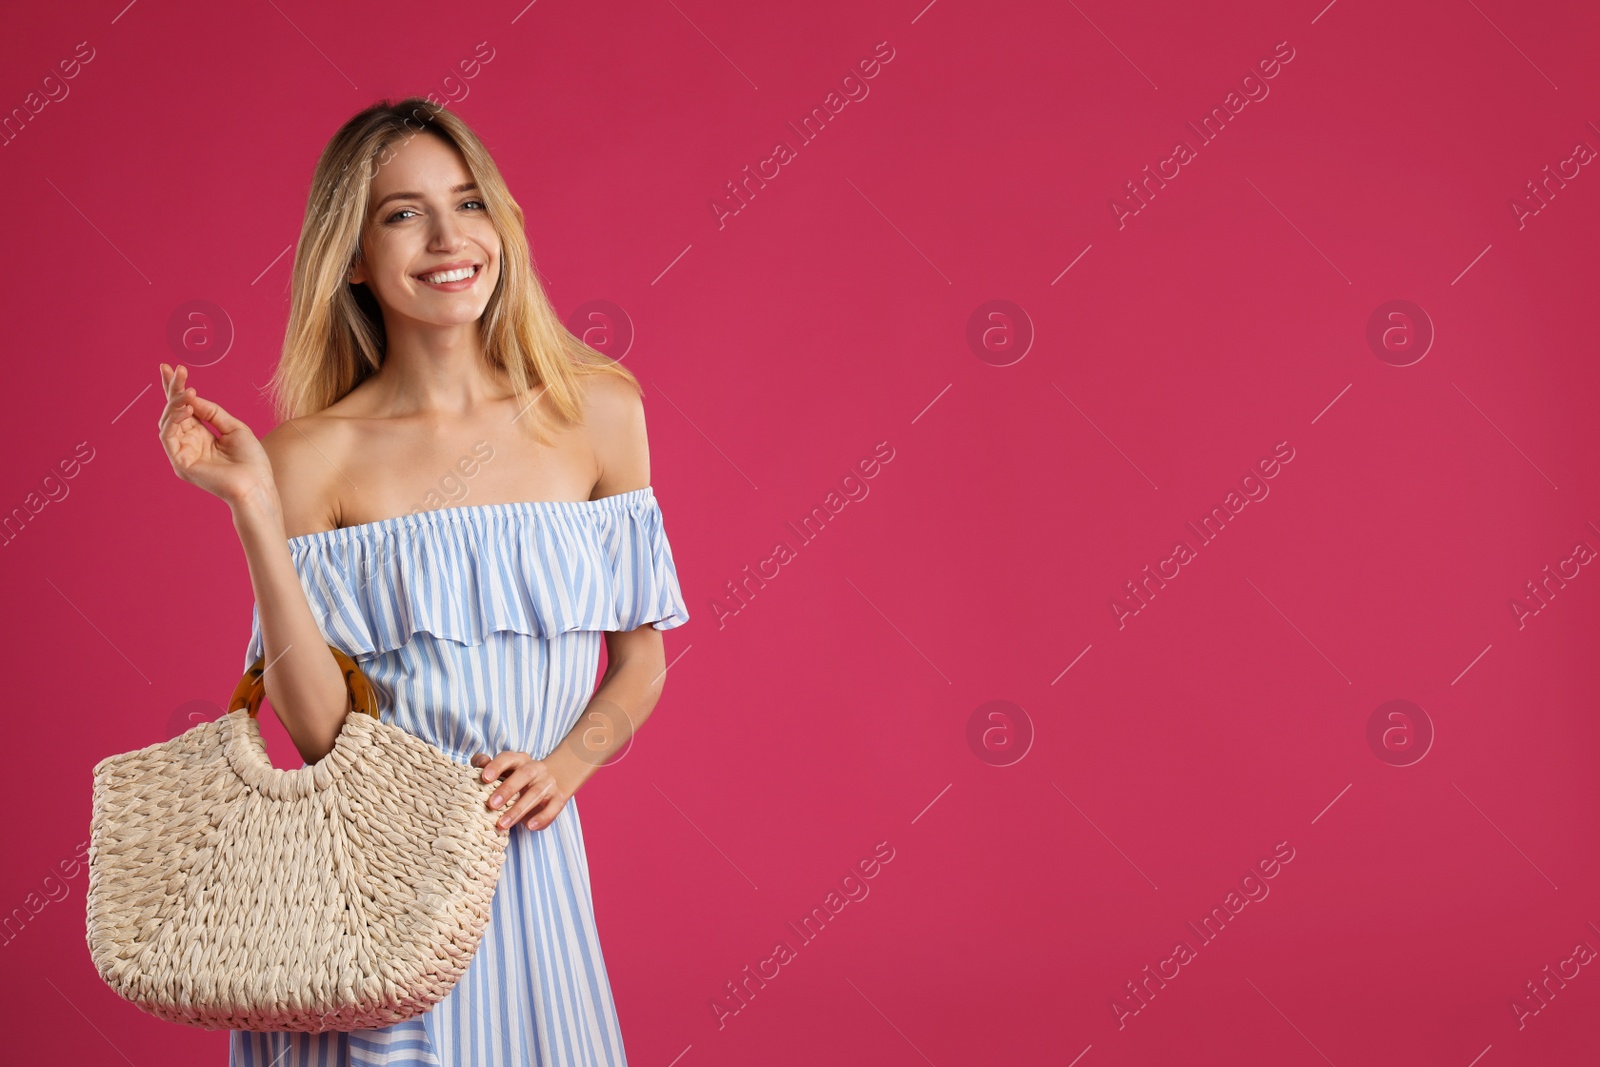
[347,895]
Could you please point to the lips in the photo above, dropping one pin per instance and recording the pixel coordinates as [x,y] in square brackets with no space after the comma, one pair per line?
[457,265]
[456,286]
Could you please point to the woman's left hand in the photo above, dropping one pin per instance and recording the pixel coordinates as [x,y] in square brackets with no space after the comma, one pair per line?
[542,798]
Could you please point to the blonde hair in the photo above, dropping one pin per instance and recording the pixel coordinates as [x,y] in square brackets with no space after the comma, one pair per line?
[335,337]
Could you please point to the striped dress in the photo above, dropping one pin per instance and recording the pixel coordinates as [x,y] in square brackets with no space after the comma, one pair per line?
[480,628]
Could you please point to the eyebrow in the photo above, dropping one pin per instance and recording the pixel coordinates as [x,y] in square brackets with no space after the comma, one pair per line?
[462,188]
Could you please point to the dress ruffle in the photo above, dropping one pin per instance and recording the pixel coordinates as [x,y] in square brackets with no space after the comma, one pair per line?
[540,568]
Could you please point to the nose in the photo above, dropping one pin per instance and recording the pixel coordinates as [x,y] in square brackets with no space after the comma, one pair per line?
[447,233]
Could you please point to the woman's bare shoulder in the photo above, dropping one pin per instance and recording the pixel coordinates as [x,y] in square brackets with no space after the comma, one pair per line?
[613,417]
[292,439]
[305,454]
[609,398]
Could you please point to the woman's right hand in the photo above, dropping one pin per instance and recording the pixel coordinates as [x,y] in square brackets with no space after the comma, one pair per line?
[232,465]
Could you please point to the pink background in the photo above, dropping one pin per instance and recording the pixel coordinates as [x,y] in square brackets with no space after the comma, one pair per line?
[834,708]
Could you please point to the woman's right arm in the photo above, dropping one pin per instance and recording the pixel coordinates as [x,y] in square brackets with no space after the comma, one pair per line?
[302,679]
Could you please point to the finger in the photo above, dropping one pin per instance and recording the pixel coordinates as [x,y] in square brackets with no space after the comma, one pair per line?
[173,417]
[212,412]
[176,397]
[530,799]
[177,410]
[545,813]
[181,395]
[515,781]
[504,820]
[497,766]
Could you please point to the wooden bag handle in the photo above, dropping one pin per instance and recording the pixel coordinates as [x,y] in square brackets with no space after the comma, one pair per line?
[251,688]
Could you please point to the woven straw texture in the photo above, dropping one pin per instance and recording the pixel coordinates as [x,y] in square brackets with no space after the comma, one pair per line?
[226,893]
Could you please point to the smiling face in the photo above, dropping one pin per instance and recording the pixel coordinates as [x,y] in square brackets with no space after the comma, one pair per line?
[429,251]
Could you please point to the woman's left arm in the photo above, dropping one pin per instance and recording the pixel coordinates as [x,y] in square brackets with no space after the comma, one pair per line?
[636,666]
[635,673]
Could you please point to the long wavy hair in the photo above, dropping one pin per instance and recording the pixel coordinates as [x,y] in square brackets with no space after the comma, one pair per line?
[335,336]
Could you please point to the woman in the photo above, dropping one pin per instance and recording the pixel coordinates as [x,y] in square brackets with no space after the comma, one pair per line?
[458,497]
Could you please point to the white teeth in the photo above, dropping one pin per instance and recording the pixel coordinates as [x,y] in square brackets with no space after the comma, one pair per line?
[449,276]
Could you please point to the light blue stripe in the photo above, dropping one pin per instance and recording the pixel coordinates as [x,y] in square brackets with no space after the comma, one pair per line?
[480,628]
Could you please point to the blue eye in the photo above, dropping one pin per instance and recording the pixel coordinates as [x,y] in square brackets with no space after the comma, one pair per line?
[481,206]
